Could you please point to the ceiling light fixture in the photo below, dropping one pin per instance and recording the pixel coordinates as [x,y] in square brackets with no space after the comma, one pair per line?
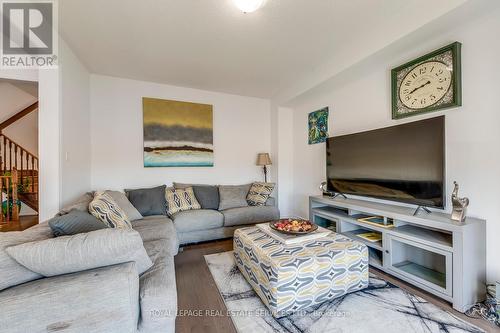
[248,6]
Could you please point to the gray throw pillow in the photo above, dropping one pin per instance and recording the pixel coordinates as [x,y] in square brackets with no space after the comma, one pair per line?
[11,272]
[75,222]
[81,204]
[233,196]
[207,195]
[124,203]
[69,254]
[149,201]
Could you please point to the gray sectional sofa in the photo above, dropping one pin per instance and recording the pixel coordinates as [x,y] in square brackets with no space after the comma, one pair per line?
[113,298]
[106,299]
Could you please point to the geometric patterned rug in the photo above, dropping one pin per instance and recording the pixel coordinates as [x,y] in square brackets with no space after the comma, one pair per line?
[382,307]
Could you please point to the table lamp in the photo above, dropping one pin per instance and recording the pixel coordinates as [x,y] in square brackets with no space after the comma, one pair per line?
[264,160]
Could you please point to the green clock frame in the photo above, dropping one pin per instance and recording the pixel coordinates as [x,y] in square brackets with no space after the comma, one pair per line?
[456,85]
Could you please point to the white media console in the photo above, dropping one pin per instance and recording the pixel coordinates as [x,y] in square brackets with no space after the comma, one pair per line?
[430,251]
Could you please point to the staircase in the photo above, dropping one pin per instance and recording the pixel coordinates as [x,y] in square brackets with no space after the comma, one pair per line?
[14,157]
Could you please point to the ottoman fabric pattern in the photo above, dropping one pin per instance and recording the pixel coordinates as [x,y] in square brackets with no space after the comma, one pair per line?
[289,278]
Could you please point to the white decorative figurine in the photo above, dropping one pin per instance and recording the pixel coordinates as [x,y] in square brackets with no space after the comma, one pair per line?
[459,212]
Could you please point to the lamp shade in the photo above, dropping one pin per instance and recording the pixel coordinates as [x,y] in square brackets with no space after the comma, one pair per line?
[263,159]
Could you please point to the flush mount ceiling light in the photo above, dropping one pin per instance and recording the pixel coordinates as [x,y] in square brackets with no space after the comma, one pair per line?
[248,6]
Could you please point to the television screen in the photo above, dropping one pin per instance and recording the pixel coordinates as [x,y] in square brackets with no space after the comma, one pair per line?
[403,163]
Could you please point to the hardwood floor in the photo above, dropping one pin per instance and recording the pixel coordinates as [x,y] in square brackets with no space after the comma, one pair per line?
[24,223]
[197,294]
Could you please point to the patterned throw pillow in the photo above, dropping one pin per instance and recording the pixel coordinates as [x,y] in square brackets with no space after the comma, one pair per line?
[105,209]
[179,200]
[259,193]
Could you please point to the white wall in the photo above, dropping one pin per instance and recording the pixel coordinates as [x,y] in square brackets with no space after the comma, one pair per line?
[359,99]
[75,126]
[285,162]
[241,130]
[48,143]
[64,126]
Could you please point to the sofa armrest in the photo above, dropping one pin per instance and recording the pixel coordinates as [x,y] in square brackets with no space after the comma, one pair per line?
[99,300]
[271,201]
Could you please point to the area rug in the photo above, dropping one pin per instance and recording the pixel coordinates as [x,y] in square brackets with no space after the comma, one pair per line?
[382,307]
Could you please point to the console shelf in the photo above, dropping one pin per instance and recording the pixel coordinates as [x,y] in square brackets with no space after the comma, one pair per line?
[354,235]
[429,251]
[423,272]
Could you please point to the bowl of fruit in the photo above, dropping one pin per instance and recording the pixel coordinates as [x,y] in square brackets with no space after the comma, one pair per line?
[293,226]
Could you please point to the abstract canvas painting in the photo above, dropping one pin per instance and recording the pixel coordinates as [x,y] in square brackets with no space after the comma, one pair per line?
[318,126]
[177,134]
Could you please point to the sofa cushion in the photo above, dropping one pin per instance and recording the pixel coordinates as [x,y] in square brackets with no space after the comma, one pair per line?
[81,204]
[158,227]
[207,195]
[158,291]
[180,199]
[107,210]
[75,222]
[250,215]
[198,220]
[12,273]
[148,201]
[124,203]
[259,193]
[69,254]
[233,196]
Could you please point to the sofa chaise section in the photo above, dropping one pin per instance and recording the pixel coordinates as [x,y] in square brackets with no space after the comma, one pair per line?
[157,286]
[158,291]
[93,301]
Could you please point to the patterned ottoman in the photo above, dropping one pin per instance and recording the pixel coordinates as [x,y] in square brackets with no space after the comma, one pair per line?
[289,278]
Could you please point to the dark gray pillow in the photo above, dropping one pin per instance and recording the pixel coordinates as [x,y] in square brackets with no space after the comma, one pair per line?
[233,196]
[149,201]
[75,222]
[207,195]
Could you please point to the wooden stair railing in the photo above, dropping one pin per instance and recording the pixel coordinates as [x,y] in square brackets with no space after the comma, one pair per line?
[15,157]
[8,190]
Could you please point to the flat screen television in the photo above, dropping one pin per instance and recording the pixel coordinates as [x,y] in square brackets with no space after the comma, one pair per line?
[404,163]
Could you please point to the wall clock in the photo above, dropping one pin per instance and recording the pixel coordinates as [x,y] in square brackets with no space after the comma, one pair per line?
[430,83]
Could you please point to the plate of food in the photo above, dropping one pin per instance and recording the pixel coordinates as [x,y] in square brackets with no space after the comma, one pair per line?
[293,226]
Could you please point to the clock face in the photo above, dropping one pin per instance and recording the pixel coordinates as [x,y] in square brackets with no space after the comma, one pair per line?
[425,85]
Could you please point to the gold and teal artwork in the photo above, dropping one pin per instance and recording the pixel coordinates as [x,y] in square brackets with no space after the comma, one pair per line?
[318,126]
[177,134]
